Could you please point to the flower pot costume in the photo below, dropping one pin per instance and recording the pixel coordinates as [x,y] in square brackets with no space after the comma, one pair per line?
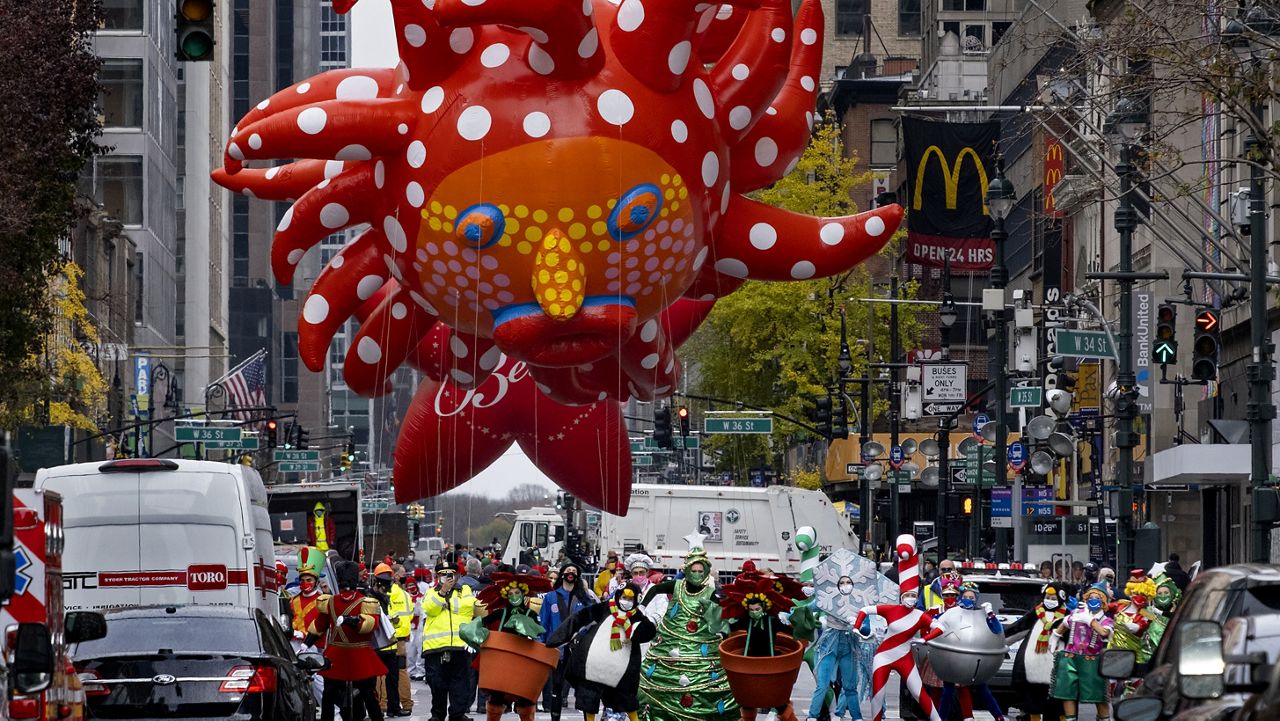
[752,607]
[1085,634]
[507,600]
[906,622]
[605,665]
[1033,666]
[347,620]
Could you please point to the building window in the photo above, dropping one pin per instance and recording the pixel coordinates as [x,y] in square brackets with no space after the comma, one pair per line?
[849,16]
[139,287]
[289,369]
[884,143]
[997,31]
[122,14]
[963,5]
[120,96]
[117,186]
[909,18]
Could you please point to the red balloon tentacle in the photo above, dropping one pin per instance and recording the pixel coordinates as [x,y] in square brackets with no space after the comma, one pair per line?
[331,130]
[384,341]
[683,317]
[333,298]
[650,363]
[346,200]
[753,70]
[713,42]
[429,51]
[776,141]
[441,445]
[653,39]
[566,43]
[760,242]
[281,182]
[471,359]
[341,84]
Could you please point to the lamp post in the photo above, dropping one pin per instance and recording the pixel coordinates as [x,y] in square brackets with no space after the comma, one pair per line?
[948,314]
[1000,200]
[1123,128]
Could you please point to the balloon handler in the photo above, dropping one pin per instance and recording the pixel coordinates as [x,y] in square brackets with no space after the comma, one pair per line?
[956,621]
[507,600]
[1033,665]
[756,608]
[604,666]
[347,619]
[1076,679]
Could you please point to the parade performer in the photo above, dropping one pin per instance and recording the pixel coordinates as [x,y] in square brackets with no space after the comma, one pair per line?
[304,607]
[681,678]
[753,606]
[840,654]
[1033,666]
[606,667]
[952,693]
[1164,603]
[346,620]
[640,566]
[1130,614]
[1076,679]
[507,601]
[569,597]
[906,622]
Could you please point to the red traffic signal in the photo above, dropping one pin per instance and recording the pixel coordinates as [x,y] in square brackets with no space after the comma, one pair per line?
[1207,320]
[683,411]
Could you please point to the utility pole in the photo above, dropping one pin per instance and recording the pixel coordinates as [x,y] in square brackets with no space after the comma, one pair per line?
[947,317]
[1260,371]
[1000,200]
[895,409]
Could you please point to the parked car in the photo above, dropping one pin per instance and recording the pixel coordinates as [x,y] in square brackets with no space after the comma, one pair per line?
[196,661]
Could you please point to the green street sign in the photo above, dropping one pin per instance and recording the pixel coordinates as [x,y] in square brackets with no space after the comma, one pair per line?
[637,446]
[648,444]
[1025,397]
[1084,344]
[280,455]
[689,443]
[204,434]
[642,460]
[1165,351]
[247,443]
[900,476]
[373,506]
[737,425]
[299,467]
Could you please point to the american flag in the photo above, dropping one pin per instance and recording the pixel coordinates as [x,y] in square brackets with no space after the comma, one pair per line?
[247,385]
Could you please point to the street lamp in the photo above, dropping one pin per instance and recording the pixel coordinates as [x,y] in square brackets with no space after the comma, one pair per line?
[1001,198]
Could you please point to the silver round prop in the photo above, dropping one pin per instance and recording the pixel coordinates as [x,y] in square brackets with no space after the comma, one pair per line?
[967,652]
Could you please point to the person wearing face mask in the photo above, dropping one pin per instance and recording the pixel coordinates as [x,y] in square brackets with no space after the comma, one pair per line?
[963,695]
[906,623]
[304,606]
[1085,633]
[1033,665]
[752,605]
[569,597]
[346,620]
[932,596]
[605,668]
[1163,604]
[639,565]
[507,601]
[836,656]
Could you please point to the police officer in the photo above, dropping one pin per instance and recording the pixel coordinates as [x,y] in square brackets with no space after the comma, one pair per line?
[448,605]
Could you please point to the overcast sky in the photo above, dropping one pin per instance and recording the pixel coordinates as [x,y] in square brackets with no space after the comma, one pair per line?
[373,45]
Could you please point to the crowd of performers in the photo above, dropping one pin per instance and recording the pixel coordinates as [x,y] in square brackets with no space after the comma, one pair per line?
[650,648]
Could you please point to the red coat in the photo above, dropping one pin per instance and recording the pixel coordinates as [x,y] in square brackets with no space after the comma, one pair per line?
[349,650]
[305,611]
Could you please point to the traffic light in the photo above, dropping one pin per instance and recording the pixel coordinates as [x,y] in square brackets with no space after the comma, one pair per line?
[683,413]
[967,505]
[822,416]
[273,433]
[1164,347]
[348,457]
[194,29]
[303,435]
[662,428]
[1208,343]
[840,421]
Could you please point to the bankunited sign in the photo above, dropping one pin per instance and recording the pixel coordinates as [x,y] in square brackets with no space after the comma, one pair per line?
[948,173]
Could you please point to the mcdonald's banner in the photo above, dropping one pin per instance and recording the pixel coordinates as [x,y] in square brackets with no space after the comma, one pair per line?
[1052,174]
[947,166]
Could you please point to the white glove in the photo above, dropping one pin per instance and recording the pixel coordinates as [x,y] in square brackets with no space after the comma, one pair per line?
[339,620]
[785,618]
[1156,611]
[807,591]
[987,607]
[1133,627]
[298,634]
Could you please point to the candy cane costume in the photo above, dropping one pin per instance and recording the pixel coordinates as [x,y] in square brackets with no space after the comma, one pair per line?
[906,622]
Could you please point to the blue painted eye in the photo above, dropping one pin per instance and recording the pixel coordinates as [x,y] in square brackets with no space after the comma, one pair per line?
[635,211]
[481,225]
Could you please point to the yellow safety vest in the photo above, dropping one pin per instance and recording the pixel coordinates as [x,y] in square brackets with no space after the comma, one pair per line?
[446,617]
[322,537]
[401,608]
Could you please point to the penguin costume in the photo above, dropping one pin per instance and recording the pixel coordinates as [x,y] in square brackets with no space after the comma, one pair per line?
[1033,665]
[605,663]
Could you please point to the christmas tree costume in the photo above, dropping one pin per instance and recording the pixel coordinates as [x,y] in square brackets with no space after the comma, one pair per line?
[606,665]
[753,605]
[1033,665]
[681,678]
[507,600]
[1085,633]
[1162,607]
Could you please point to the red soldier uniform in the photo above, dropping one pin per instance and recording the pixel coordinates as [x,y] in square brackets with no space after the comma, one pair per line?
[349,618]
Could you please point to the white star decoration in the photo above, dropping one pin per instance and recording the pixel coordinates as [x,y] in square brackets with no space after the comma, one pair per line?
[1156,570]
[695,540]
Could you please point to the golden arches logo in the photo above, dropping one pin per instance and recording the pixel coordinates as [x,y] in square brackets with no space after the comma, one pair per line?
[1054,151]
[950,176]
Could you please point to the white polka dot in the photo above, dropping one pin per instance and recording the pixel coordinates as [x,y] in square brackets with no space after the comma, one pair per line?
[702,94]
[650,361]
[678,58]
[312,120]
[461,40]
[354,152]
[808,36]
[732,267]
[458,347]
[474,123]
[615,107]
[802,270]
[489,360]
[494,55]
[423,303]
[763,236]
[630,15]
[587,10]
[590,43]
[295,256]
[792,165]
[602,395]
[766,152]
[402,128]
[368,350]
[807,83]
[740,117]
[414,194]
[263,105]
[832,233]
[395,233]
[303,89]
[338,261]
[432,99]
[725,197]
[537,35]
[417,154]
[473,3]
[649,331]
[235,152]
[357,87]
[367,286]
[415,35]
[315,310]
[679,131]
[461,376]
[874,226]
[705,19]
[334,215]
[540,61]
[809,118]
[710,169]
[740,71]
[399,311]
[285,220]
[771,111]
[778,35]
[255,141]
[537,124]
[272,172]
[379,174]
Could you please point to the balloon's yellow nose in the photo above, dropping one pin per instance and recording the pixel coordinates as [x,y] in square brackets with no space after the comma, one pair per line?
[559,276]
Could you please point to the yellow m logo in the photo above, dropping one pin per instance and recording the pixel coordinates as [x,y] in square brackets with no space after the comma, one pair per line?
[950,176]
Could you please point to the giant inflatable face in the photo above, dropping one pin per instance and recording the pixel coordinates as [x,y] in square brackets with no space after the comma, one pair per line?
[545,177]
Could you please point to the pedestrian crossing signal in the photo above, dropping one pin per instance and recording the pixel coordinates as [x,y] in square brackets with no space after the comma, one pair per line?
[967,505]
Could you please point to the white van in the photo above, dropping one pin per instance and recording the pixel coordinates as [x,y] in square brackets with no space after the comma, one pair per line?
[160,531]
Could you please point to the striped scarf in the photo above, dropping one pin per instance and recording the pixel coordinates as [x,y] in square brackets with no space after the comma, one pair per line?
[1047,620]
[621,628]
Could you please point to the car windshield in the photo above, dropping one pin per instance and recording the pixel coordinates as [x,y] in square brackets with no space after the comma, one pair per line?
[1009,597]
[153,635]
